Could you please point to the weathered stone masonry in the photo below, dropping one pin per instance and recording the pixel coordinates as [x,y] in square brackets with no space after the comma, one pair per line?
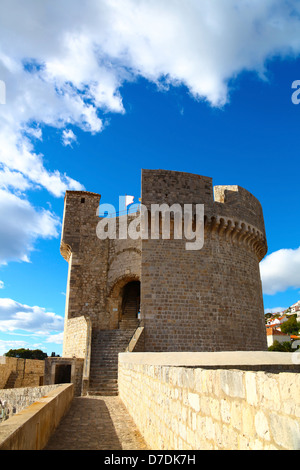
[98,269]
[213,401]
[205,300]
[211,299]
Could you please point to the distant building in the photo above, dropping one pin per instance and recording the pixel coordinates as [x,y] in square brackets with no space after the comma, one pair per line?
[295,308]
[274,334]
[277,321]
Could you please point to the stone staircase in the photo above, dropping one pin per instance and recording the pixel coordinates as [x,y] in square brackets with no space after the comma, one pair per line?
[106,345]
[10,383]
[129,318]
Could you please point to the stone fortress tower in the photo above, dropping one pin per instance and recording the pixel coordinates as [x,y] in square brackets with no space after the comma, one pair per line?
[177,300]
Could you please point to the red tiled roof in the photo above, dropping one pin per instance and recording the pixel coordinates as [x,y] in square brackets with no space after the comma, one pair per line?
[275,332]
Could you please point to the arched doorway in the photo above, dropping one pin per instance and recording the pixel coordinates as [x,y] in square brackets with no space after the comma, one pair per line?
[130,309]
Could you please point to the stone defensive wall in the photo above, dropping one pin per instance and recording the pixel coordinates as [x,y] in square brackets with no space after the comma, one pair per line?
[31,428]
[14,400]
[16,373]
[213,401]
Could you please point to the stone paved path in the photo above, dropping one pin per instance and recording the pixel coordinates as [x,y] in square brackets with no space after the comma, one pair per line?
[96,423]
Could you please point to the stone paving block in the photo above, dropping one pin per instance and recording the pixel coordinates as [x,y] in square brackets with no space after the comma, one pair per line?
[96,423]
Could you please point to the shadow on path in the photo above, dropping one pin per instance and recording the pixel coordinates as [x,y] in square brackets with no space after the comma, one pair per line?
[87,426]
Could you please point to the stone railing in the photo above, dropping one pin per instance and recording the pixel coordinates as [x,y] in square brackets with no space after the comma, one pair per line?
[233,400]
[136,342]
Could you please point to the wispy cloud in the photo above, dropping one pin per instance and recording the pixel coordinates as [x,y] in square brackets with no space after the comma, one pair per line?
[21,225]
[56,339]
[68,138]
[275,309]
[280,271]
[65,65]
[16,316]
[6,345]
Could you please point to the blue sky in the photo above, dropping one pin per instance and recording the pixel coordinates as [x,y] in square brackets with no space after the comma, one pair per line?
[94,96]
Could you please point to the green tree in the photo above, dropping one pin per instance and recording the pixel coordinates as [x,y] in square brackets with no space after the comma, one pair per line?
[290,327]
[281,347]
[26,353]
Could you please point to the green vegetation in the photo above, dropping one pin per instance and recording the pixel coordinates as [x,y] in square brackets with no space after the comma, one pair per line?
[291,327]
[281,347]
[26,354]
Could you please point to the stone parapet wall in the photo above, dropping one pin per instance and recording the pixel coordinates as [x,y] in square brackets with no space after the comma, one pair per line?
[32,428]
[14,400]
[210,406]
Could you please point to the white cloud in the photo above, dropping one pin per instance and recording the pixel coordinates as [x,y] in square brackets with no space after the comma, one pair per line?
[275,309]
[57,339]
[1,285]
[280,271]
[68,137]
[19,160]
[16,316]
[64,65]
[6,345]
[21,226]
[13,180]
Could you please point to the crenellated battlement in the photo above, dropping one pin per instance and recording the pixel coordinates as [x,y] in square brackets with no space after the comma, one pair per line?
[238,233]
[239,203]
[229,211]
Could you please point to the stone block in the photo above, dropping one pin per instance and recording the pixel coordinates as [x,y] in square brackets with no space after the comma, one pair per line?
[262,426]
[194,401]
[232,383]
[251,392]
[285,431]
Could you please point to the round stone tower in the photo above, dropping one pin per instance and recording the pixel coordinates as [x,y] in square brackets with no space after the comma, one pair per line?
[204,299]
[208,299]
